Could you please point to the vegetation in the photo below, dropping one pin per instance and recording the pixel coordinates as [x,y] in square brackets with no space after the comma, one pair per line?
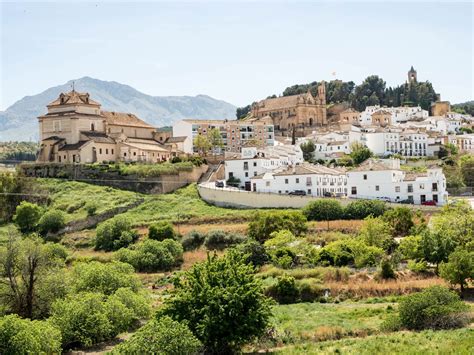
[161,230]
[323,210]
[265,223]
[27,216]
[222,303]
[359,153]
[308,149]
[114,234]
[18,151]
[51,222]
[459,268]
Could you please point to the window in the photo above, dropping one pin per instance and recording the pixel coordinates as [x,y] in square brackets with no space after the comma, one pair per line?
[134,153]
[106,151]
[435,186]
[267,183]
[246,165]
[100,150]
[297,180]
[410,188]
[422,198]
[57,126]
[377,188]
[124,154]
[92,127]
[286,181]
[397,188]
[365,176]
[422,186]
[354,190]
[231,174]
[112,151]
[254,173]
[435,198]
[246,174]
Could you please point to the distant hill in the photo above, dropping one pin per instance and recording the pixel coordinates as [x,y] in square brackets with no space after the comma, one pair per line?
[465,107]
[19,121]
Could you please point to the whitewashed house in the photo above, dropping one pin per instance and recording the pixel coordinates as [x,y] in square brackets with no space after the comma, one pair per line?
[314,180]
[383,179]
[253,161]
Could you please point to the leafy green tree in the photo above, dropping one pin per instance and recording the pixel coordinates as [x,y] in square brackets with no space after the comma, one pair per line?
[23,336]
[27,216]
[434,308]
[51,222]
[459,268]
[386,268]
[161,230]
[222,302]
[361,209]
[253,252]
[162,336]
[377,232]
[242,112]
[31,276]
[400,220]
[410,247]
[308,149]
[370,92]
[264,224]
[215,139]
[350,251]
[202,144]
[106,278]
[323,210]
[359,153]
[466,166]
[114,234]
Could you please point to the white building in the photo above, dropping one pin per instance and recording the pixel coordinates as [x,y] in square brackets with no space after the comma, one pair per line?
[254,161]
[379,179]
[314,180]
[398,114]
[444,125]
[330,145]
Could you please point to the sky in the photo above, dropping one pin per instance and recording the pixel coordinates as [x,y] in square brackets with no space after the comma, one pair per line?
[239,52]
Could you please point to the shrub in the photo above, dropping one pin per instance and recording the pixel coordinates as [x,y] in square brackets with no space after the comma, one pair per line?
[265,223]
[350,251]
[162,336]
[391,324]
[103,278]
[161,231]
[323,210]
[417,266]
[91,208]
[285,290]
[376,232]
[23,336]
[386,269]
[218,239]
[152,255]
[253,253]
[309,290]
[433,308]
[27,216]
[193,240]
[114,234]
[361,209]
[410,247]
[222,303]
[51,222]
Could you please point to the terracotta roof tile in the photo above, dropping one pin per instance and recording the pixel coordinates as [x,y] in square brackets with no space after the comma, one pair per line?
[124,119]
[73,97]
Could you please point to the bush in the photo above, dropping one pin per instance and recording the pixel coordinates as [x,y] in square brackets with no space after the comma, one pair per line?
[103,278]
[152,255]
[361,209]
[91,208]
[222,303]
[161,231]
[350,251]
[265,223]
[323,210]
[434,308]
[400,220]
[284,291]
[459,268]
[386,269]
[417,266]
[23,336]
[410,247]
[162,336]
[310,291]
[27,216]
[391,324]
[193,240]
[114,234]
[253,253]
[376,232]
[218,239]
[51,222]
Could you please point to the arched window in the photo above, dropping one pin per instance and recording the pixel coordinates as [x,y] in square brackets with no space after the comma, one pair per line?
[92,127]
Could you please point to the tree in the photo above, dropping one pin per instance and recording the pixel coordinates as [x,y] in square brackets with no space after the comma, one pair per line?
[161,230]
[162,336]
[27,216]
[323,210]
[23,336]
[410,247]
[51,222]
[433,308]
[264,224]
[459,268]
[242,112]
[202,144]
[31,276]
[377,232]
[361,209]
[359,153]
[215,139]
[114,234]
[308,149]
[370,92]
[466,165]
[222,303]
[400,220]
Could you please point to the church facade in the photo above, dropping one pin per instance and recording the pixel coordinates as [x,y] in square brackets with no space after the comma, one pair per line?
[76,130]
[302,113]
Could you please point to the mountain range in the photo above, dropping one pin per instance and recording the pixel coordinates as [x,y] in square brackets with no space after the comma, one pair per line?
[19,121]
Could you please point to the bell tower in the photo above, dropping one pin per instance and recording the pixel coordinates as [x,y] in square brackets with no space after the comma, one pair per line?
[412,75]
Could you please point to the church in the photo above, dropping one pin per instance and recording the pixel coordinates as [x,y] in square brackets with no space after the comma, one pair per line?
[76,130]
[302,112]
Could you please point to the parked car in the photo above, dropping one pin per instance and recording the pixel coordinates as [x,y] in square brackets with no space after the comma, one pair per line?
[219,183]
[329,194]
[429,203]
[406,202]
[385,199]
[298,193]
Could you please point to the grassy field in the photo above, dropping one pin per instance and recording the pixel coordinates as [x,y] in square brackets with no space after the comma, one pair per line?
[460,342]
[72,197]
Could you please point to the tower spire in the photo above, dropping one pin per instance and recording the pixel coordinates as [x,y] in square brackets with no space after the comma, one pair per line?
[73,86]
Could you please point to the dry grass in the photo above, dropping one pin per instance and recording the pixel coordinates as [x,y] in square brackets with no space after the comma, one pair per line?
[195,256]
[345,226]
[204,228]
[362,285]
